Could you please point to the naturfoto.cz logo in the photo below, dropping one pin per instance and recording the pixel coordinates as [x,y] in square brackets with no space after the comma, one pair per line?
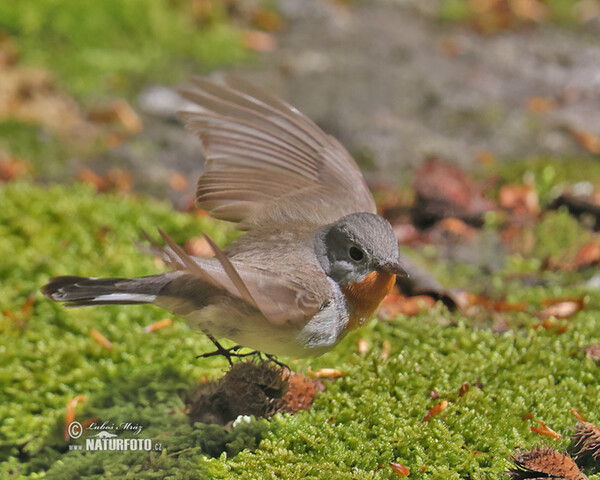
[107,441]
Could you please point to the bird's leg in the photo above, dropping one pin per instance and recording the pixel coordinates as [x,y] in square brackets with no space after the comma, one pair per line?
[221,350]
[229,353]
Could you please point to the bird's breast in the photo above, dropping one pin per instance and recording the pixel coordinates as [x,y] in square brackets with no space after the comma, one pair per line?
[364,297]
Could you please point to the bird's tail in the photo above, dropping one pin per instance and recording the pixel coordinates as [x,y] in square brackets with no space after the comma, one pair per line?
[82,291]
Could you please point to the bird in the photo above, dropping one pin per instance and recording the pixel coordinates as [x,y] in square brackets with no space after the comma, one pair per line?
[316,259]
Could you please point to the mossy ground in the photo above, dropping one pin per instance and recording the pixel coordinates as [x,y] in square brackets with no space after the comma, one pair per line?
[364,420]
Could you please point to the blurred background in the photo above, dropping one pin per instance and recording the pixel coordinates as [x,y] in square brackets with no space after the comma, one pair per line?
[87,88]
[477,125]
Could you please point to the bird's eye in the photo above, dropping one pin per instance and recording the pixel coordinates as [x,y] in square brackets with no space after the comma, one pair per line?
[356,254]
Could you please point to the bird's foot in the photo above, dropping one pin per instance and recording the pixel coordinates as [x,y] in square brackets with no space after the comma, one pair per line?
[233,352]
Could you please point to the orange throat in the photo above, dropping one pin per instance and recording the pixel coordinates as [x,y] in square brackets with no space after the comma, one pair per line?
[363,298]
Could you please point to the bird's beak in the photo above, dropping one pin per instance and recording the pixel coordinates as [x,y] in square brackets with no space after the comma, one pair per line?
[394,268]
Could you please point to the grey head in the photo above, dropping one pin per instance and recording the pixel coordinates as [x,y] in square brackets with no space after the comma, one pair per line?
[356,245]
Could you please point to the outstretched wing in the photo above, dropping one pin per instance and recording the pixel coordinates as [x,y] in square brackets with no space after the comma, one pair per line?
[267,161]
[280,301]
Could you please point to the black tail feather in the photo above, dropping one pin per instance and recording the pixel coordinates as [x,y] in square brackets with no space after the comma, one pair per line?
[81,291]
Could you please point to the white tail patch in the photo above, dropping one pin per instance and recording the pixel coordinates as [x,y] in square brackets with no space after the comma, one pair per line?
[125,297]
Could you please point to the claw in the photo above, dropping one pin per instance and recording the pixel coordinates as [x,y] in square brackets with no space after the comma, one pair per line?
[232,352]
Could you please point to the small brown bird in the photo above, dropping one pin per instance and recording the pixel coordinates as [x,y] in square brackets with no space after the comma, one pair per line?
[316,260]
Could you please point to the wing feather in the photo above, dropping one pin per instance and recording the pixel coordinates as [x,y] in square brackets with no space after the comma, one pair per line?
[280,301]
[266,159]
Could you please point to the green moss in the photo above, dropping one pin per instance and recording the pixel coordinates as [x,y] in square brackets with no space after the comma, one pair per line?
[116,45]
[364,420]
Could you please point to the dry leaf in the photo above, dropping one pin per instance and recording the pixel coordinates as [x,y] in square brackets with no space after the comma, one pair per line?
[529,9]
[561,309]
[541,104]
[540,462]
[592,352]
[464,388]
[436,410]
[587,140]
[397,304]
[178,182]
[499,306]
[267,20]
[70,415]
[153,327]
[199,247]
[587,256]
[442,190]
[578,415]
[399,469]
[12,168]
[115,180]
[259,41]
[362,346]
[545,430]
[100,339]
[30,96]
[119,112]
[521,199]
[456,228]
[434,395]
[527,416]
[326,373]
[485,158]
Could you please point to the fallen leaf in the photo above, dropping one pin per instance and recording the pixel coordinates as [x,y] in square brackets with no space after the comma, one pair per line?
[178,182]
[436,410]
[586,10]
[543,462]
[442,190]
[527,416]
[587,140]
[199,247]
[533,10]
[456,228]
[494,305]
[326,373]
[362,346]
[563,307]
[29,95]
[545,430]
[100,339]
[587,256]
[115,179]
[485,158]
[397,304]
[70,415]
[592,352]
[521,199]
[119,111]
[434,395]
[561,310]
[399,469]
[259,41]
[577,414]
[153,327]
[267,20]
[464,388]
[12,168]
[541,104]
